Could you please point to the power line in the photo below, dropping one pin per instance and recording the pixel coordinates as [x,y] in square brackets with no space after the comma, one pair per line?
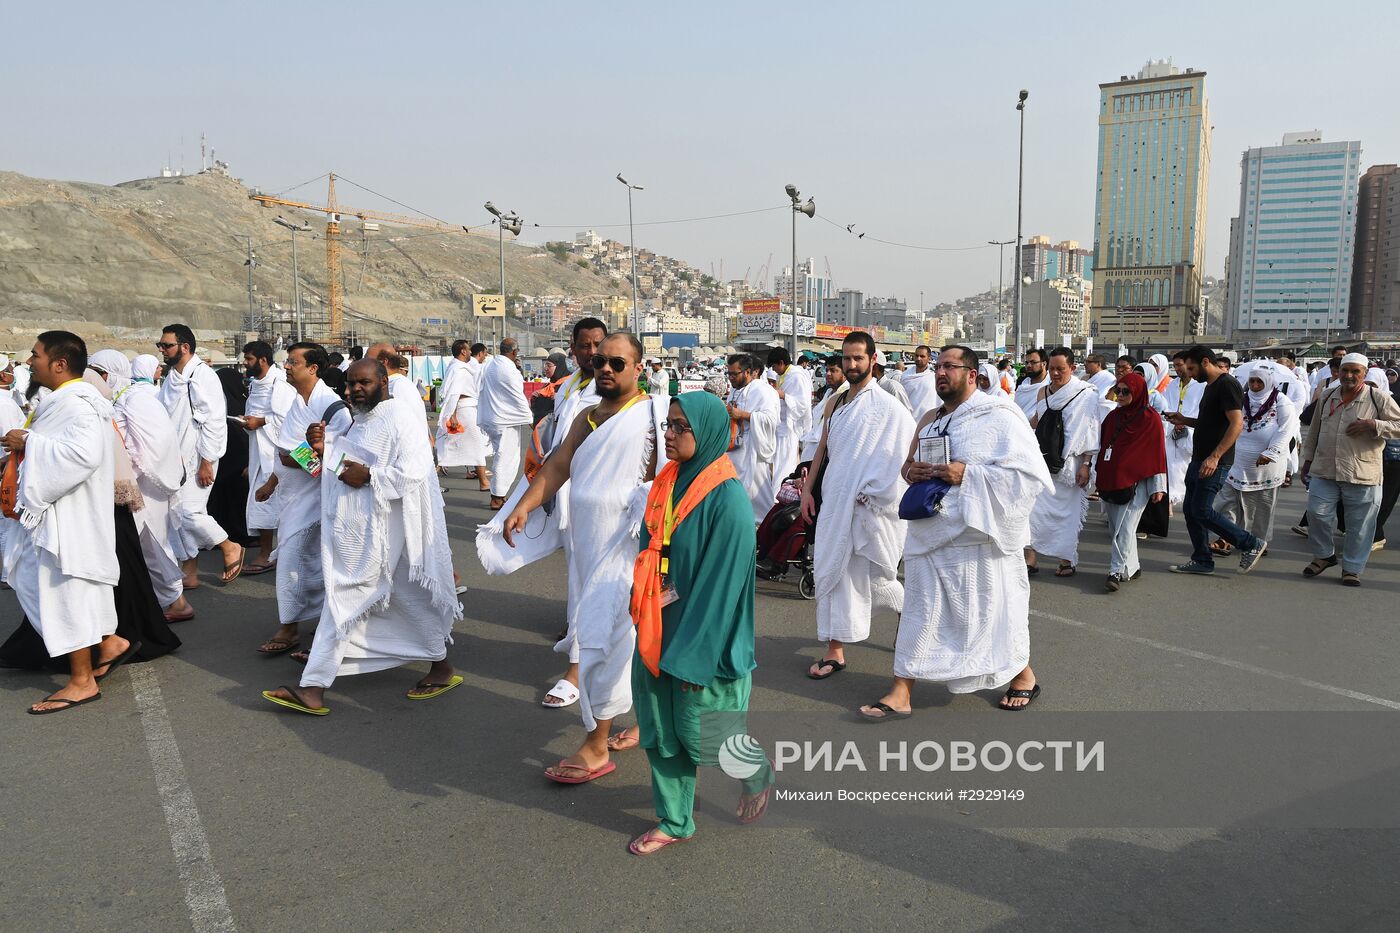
[302,185]
[932,249]
[657,223]
[392,201]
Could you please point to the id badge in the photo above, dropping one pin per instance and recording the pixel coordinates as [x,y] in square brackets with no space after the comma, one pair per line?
[1108,455]
[668,593]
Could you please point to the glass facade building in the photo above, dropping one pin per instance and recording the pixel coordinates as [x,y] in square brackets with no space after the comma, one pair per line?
[1293,240]
[1150,205]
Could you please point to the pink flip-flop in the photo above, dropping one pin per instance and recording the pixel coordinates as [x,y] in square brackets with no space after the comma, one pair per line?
[648,836]
[593,775]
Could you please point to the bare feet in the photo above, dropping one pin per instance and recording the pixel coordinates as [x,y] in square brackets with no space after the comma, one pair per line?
[630,737]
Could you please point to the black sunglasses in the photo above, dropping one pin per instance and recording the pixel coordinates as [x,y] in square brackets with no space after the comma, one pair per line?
[616,363]
[166,346]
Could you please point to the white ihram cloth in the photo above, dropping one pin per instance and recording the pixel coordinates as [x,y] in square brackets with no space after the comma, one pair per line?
[61,556]
[796,409]
[757,442]
[966,619]
[1104,381]
[389,597]
[150,440]
[1059,512]
[403,390]
[195,400]
[813,437]
[503,413]
[1026,393]
[11,419]
[271,398]
[457,399]
[576,395]
[300,584]
[608,488]
[860,536]
[922,389]
[1268,433]
[1186,399]
[891,384]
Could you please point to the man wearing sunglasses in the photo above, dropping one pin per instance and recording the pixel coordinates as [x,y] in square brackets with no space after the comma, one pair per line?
[755,408]
[609,454]
[504,414]
[194,397]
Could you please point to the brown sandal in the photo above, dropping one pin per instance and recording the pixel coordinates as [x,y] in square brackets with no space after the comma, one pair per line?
[1319,565]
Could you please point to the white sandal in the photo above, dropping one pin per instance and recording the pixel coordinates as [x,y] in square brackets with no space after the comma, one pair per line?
[563,691]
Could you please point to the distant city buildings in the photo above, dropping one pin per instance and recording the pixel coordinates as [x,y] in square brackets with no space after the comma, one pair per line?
[1150,205]
[1042,260]
[1375,281]
[1057,307]
[812,289]
[843,310]
[1292,243]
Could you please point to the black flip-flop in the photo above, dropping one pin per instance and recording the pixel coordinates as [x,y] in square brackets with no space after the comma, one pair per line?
[1027,695]
[1032,569]
[284,646]
[889,713]
[118,661]
[836,667]
[67,704]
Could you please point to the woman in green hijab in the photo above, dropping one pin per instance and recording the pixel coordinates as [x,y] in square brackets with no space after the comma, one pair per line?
[693,602]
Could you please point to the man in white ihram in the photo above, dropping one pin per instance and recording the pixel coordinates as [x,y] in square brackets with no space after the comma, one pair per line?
[754,408]
[194,397]
[459,438]
[609,458]
[920,383]
[300,582]
[270,397]
[966,621]
[794,388]
[1183,396]
[390,599]
[859,535]
[1059,512]
[60,551]
[504,415]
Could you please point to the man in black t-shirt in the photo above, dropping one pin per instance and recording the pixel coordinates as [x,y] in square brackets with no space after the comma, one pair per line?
[1218,423]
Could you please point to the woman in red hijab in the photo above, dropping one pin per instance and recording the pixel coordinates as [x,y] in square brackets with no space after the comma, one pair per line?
[1131,470]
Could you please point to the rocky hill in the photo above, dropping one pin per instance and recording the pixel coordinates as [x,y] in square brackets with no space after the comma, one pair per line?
[143,253]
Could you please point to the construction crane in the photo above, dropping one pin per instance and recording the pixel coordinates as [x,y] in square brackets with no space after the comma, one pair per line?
[335,301]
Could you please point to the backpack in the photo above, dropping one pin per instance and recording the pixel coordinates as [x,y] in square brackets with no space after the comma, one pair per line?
[1050,432]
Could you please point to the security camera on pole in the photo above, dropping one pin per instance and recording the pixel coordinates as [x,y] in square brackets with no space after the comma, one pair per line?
[810,209]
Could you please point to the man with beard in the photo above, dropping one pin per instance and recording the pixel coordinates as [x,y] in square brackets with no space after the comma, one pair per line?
[860,538]
[919,382]
[194,398]
[270,397]
[834,384]
[1183,397]
[1035,378]
[754,409]
[966,621]
[578,392]
[1097,375]
[300,587]
[1059,513]
[608,458]
[389,592]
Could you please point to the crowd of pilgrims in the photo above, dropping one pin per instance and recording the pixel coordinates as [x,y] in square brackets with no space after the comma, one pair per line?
[326,473]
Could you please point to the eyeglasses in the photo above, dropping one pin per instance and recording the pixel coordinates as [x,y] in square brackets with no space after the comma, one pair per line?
[616,363]
[1122,390]
[676,427]
[948,367]
[166,346]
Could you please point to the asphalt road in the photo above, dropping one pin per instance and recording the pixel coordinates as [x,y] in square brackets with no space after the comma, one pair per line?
[183,800]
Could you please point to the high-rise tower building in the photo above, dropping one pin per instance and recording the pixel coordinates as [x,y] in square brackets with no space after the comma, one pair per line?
[1150,207]
[1291,247]
[1375,278]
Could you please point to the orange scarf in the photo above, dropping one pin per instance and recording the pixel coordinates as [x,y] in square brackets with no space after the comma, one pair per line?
[646,573]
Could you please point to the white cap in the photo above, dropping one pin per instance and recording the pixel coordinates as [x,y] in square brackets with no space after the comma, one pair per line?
[652,359]
[880,358]
[1358,359]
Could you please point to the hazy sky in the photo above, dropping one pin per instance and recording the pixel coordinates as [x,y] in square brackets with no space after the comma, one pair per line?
[898,118]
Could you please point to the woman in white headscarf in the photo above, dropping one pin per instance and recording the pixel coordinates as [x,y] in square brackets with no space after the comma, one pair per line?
[1261,456]
[989,380]
[1153,376]
[144,368]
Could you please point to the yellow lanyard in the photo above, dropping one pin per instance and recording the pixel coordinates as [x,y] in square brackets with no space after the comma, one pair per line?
[1181,394]
[668,525]
[634,400]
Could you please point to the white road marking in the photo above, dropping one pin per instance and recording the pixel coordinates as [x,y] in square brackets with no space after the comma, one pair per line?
[204,890]
[1226,662]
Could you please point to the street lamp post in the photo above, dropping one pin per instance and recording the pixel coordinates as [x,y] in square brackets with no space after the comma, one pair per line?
[632,248]
[1327,320]
[296,279]
[1001,246]
[810,209]
[505,220]
[250,262]
[1020,187]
